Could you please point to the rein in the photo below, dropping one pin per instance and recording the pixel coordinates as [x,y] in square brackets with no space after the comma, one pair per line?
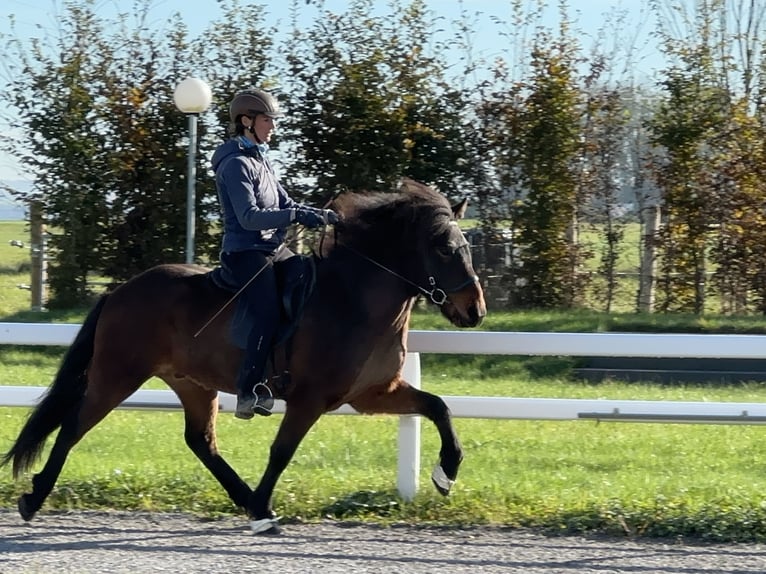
[437,295]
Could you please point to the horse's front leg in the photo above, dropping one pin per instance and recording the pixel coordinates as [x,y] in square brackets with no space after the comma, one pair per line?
[401,398]
[299,417]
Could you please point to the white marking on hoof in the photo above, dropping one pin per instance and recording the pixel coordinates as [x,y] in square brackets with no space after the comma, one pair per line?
[441,479]
[262,525]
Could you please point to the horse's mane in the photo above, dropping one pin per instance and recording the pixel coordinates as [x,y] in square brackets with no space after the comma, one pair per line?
[371,219]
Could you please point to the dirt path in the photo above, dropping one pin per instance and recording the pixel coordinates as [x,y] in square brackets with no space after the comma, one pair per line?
[98,542]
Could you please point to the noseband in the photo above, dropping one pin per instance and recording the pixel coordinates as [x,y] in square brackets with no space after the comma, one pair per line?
[438,295]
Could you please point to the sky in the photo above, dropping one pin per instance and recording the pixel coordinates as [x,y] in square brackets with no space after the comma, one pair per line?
[35,18]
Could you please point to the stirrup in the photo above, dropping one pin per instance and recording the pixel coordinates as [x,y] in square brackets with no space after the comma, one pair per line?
[264,401]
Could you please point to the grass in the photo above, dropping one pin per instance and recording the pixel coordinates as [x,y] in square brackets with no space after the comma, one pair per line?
[14,266]
[638,479]
[561,476]
[700,481]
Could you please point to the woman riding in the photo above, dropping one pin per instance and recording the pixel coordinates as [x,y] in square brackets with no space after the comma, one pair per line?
[256,212]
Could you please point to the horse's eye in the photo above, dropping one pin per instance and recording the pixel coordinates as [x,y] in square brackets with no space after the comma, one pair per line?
[444,251]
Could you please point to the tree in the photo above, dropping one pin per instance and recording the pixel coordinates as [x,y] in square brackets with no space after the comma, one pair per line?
[370,105]
[737,249]
[146,181]
[704,137]
[111,143]
[682,126]
[600,182]
[233,58]
[64,142]
[533,125]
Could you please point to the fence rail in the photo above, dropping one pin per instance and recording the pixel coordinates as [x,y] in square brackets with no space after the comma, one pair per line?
[492,343]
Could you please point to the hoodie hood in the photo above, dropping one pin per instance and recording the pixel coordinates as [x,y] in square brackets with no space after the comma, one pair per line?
[225,150]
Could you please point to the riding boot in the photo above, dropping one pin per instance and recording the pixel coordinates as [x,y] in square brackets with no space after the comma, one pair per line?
[253,394]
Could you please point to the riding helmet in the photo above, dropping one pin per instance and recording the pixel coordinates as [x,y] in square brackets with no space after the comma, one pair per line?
[253,102]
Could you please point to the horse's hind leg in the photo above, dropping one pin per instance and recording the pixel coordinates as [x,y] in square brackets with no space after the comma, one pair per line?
[401,398]
[200,411]
[98,401]
[42,482]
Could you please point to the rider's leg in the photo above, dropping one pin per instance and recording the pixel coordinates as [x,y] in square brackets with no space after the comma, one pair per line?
[252,394]
[261,294]
[257,396]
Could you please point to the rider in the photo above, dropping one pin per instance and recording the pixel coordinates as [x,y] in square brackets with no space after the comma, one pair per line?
[256,211]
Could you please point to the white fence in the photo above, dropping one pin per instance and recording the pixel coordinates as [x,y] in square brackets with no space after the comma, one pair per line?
[490,343]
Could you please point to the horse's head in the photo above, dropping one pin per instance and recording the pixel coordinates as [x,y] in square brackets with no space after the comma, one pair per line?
[414,235]
[446,260]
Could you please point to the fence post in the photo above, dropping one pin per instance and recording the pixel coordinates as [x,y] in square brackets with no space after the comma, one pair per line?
[408,466]
[38,277]
[648,264]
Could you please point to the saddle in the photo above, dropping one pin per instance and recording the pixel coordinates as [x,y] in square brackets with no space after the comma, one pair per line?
[295,282]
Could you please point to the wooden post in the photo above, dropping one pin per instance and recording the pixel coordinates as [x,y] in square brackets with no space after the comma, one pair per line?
[39,277]
[647,272]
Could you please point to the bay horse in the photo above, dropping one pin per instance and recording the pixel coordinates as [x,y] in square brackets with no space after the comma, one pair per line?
[348,348]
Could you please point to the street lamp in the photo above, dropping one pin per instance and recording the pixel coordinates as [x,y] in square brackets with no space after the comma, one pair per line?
[192,96]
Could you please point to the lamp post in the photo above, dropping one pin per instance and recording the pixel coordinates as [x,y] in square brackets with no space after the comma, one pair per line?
[192,96]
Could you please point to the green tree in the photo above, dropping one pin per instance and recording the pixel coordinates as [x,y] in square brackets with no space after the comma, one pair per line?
[693,113]
[682,126]
[235,52]
[740,185]
[551,118]
[110,141]
[58,109]
[737,250]
[534,127]
[370,104]
[147,179]
[600,182]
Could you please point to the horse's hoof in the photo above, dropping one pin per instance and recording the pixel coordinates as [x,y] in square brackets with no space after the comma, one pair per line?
[26,513]
[265,526]
[441,481]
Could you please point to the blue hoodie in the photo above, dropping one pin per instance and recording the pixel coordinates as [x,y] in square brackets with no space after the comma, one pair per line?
[256,208]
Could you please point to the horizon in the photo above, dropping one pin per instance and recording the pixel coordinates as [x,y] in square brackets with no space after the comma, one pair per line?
[12,209]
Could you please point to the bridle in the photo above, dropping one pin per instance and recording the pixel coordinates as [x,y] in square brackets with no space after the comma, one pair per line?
[437,294]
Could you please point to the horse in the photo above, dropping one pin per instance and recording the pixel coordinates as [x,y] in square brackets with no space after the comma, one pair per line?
[348,347]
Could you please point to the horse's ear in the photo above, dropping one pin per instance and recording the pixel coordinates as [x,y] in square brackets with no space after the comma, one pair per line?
[458,210]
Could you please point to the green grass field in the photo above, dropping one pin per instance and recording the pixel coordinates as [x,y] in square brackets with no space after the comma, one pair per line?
[580,476]
[14,266]
[700,481]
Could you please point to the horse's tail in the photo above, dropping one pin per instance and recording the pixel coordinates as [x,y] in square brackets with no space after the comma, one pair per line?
[67,390]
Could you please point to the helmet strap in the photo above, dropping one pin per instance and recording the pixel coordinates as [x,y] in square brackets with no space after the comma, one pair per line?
[251,129]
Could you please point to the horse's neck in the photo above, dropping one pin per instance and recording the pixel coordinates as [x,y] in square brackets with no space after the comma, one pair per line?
[387,300]
[383,299]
